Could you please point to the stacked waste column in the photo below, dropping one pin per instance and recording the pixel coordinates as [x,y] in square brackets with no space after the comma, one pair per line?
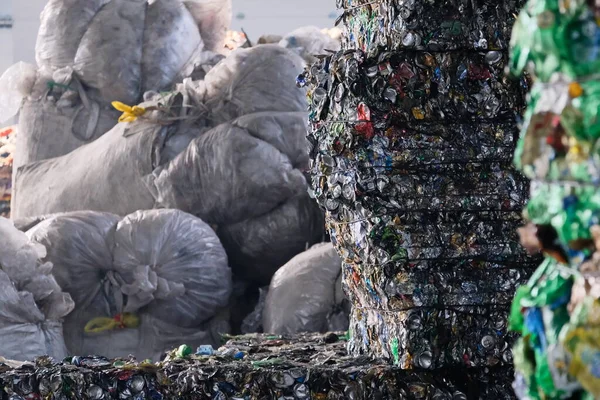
[413,130]
[557,311]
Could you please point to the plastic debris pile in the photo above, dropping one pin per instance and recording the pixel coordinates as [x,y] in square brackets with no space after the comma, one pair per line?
[90,54]
[141,284]
[7,150]
[413,132]
[184,132]
[255,366]
[557,311]
[33,304]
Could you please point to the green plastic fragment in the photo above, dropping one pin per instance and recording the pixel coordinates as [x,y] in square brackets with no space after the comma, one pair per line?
[516,319]
[395,343]
[184,351]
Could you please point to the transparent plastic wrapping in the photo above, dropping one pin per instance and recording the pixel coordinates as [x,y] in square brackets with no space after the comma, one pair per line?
[16,83]
[309,42]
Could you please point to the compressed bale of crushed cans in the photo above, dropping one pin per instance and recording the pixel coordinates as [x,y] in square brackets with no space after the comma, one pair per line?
[302,367]
[412,131]
[556,312]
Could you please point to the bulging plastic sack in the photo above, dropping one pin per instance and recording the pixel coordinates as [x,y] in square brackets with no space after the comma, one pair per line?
[171,38]
[59,117]
[32,304]
[88,177]
[138,283]
[214,19]
[233,172]
[63,25]
[122,48]
[117,162]
[109,57]
[309,42]
[254,80]
[305,293]
[16,83]
[258,247]
[174,265]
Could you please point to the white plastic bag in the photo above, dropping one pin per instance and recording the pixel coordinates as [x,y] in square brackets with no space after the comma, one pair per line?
[104,175]
[59,117]
[258,247]
[32,304]
[16,83]
[309,42]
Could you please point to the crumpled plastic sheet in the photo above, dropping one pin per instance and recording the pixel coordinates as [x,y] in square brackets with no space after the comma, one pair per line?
[312,366]
[411,149]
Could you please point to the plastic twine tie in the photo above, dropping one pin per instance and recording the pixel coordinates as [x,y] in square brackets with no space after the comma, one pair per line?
[120,321]
[51,85]
[130,114]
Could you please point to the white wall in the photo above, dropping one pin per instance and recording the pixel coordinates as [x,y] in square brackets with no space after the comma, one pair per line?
[6,38]
[258,17]
[26,14]
[6,49]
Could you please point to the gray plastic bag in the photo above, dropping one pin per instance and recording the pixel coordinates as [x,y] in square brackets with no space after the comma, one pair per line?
[63,24]
[57,119]
[105,175]
[258,247]
[32,304]
[305,293]
[165,266]
[233,172]
[109,58]
[254,80]
[117,162]
[171,39]
[213,18]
